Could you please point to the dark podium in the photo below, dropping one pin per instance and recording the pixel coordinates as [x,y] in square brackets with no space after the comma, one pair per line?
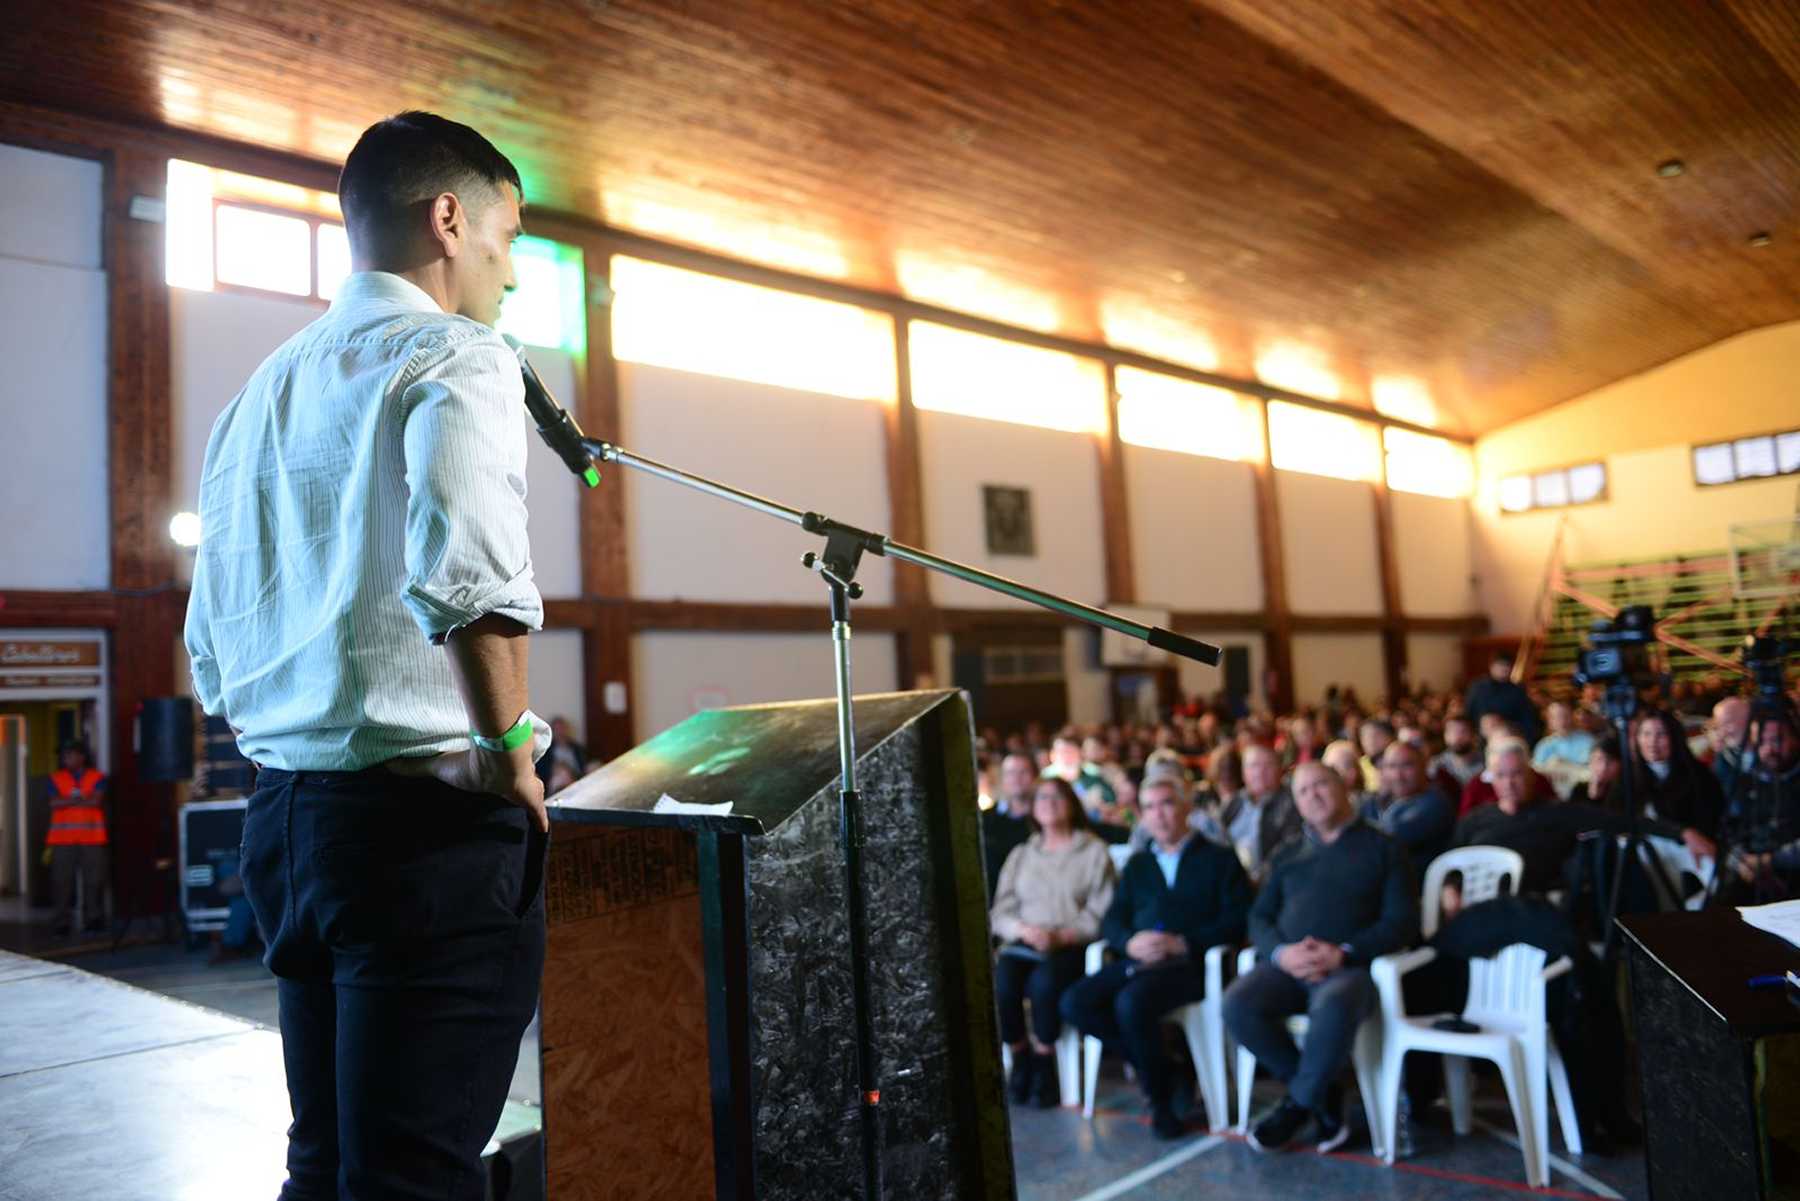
[1721,1082]
[697,1027]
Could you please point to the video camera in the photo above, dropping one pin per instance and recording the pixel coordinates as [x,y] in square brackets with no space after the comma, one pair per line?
[1619,650]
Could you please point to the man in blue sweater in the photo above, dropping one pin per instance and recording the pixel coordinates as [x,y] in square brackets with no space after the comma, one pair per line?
[1174,900]
[1334,901]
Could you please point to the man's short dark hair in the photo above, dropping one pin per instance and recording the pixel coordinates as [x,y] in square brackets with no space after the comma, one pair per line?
[409,158]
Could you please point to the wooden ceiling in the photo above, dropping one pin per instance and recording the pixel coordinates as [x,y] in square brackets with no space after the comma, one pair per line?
[1461,195]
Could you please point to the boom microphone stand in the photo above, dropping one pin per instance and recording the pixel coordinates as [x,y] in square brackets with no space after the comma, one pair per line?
[837,565]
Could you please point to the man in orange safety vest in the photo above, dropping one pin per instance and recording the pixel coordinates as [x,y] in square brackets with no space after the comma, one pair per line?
[77,838]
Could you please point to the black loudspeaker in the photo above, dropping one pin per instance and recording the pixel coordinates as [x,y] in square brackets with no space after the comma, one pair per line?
[166,739]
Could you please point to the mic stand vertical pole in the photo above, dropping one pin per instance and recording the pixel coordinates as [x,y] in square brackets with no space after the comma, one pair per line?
[850,832]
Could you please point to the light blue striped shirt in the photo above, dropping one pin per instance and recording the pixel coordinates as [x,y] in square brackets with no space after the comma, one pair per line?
[362,496]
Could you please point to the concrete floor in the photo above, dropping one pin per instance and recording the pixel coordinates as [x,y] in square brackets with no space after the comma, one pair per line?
[1059,1156]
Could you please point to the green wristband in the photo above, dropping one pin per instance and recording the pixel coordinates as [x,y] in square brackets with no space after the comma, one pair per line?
[516,737]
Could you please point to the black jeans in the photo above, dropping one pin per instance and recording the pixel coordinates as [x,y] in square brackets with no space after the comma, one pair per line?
[404,921]
[1123,1005]
[1043,981]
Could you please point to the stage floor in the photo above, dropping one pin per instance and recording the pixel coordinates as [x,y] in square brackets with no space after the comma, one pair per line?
[183,1075]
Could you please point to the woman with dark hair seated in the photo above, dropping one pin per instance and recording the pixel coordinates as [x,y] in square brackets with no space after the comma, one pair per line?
[1669,784]
[1053,893]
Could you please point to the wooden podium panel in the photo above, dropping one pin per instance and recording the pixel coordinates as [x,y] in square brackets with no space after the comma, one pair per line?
[698,1024]
[623,1024]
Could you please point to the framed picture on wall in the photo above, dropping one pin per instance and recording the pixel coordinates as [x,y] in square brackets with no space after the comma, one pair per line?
[1008,513]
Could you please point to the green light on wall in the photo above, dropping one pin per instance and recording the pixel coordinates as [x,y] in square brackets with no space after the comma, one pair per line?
[547,308]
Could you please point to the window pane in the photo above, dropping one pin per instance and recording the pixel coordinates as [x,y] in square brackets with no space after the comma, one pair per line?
[1587,482]
[1169,413]
[954,371]
[690,321]
[1755,456]
[264,250]
[1515,493]
[188,228]
[1303,439]
[547,307]
[334,259]
[1432,466]
[1712,464]
[1550,488]
[1787,452]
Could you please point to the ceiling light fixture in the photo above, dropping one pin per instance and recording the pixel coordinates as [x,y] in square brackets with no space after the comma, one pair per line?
[1670,168]
[1760,239]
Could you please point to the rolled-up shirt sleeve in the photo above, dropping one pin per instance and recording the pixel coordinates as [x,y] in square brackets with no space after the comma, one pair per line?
[467,553]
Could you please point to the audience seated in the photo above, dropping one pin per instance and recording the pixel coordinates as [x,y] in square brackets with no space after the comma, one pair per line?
[1408,809]
[1374,737]
[1067,762]
[1008,824]
[1762,819]
[1725,736]
[1602,784]
[1174,900]
[1338,868]
[1343,758]
[1562,753]
[1053,893]
[1260,819]
[1335,900]
[1460,761]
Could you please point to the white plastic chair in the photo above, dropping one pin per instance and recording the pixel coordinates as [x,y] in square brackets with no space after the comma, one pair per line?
[1365,1055]
[1121,854]
[1068,1046]
[1487,872]
[1506,1000]
[1203,1024]
[1502,993]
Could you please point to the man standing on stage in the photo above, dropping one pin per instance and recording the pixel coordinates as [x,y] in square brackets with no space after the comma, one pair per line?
[359,613]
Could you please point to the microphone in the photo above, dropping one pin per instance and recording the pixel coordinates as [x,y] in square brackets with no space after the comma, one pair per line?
[554,425]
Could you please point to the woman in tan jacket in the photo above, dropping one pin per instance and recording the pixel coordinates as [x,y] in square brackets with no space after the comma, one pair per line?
[1052,894]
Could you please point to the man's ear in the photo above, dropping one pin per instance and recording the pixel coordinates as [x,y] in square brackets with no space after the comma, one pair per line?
[449,223]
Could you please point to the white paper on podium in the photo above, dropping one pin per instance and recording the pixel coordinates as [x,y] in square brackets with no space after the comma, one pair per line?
[1781,919]
[668,804]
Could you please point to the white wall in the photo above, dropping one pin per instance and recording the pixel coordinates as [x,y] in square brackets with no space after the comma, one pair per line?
[1433,549]
[1089,684]
[1328,544]
[1324,659]
[218,339]
[49,208]
[1435,660]
[679,673]
[53,460]
[808,451]
[553,495]
[1062,470]
[1193,531]
[557,675]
